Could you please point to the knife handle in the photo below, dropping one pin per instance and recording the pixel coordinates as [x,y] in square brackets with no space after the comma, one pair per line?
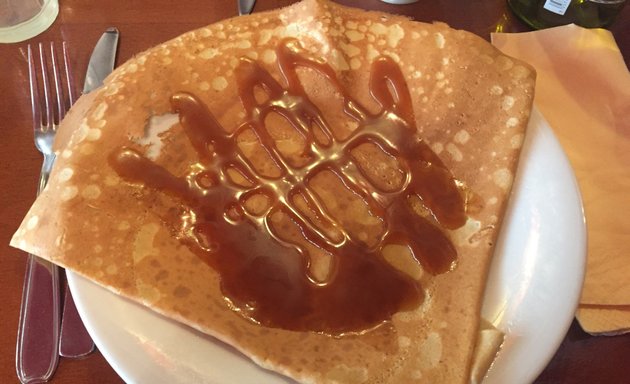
[38,329]
[74,341]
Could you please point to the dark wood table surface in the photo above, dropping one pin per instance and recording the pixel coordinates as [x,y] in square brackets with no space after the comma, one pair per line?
[580,359]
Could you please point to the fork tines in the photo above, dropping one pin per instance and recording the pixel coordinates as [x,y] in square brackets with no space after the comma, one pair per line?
[53,109]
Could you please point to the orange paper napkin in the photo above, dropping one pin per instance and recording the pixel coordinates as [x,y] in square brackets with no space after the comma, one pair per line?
[583,90]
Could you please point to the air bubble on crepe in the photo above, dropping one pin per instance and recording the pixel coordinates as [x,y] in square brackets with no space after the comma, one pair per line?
[244,44]
[372,53]
[65,174]
[111,180]
[269,56]
[502,178]
[430,351]
[32,223]
[439,40]
[519,72]
[462,136]
[455,153]
[219,83]
[345,374]
[511,122]
[350,49]
[204,86]
[69,192]
[517,140]
[338,61]
[91,192]
[93,134]
[496,90]
[504,63]
[507,103]
[437,148]
[112,88]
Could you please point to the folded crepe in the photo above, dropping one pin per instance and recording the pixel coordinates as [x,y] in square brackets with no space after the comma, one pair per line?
[319,186]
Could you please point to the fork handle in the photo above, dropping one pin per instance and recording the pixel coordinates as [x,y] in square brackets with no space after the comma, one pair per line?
[49,160]
[38,329]
[74,340]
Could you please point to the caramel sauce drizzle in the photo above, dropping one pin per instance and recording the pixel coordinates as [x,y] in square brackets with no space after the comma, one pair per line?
[263,276]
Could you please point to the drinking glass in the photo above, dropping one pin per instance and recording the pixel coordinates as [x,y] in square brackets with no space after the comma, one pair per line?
[22,19]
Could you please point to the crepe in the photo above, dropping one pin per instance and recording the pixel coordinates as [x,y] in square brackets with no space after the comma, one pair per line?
[151,196]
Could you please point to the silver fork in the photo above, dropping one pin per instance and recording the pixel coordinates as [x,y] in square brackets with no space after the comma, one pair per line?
[37,351]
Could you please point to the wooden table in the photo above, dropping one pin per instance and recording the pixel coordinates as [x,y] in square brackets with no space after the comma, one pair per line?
[580,359]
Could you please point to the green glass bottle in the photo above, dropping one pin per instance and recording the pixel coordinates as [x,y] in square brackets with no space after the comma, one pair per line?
[551,13]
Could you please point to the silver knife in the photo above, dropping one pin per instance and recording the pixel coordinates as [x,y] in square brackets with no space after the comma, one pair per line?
[245,7]
[102,60]
[74,340]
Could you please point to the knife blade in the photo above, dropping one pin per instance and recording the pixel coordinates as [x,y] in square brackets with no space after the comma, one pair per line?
[245,7]
[74,340]
[102,60]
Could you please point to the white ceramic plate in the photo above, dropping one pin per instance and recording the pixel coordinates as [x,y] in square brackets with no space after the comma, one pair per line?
[534,287]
